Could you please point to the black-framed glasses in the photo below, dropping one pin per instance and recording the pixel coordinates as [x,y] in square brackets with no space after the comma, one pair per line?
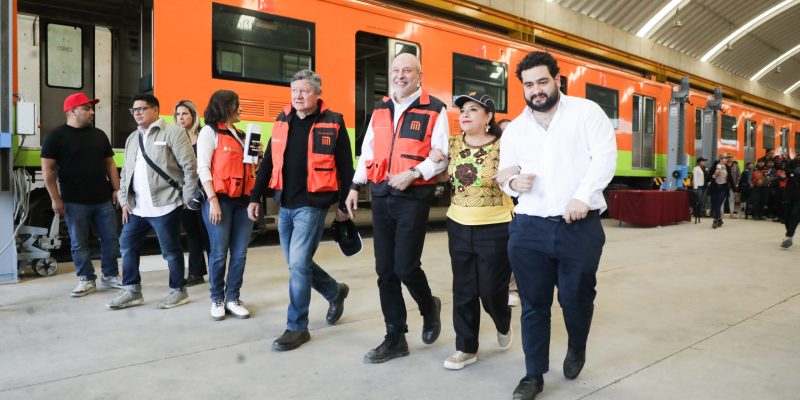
[136,110]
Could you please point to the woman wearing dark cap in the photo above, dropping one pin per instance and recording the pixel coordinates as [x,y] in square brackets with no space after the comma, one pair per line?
[196,235]
[477,230]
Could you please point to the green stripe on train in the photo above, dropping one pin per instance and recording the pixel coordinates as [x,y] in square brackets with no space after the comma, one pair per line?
[624,166]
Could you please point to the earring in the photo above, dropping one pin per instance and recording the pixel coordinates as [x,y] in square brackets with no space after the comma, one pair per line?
[487,128]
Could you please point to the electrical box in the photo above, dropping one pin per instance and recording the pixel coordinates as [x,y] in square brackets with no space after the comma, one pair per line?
[26,118]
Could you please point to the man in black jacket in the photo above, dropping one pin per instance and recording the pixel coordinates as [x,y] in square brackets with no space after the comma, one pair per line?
[309,165]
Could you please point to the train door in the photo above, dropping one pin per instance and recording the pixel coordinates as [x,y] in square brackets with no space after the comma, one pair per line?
[749,141]
[374,56]
[55,60]
[643,131]
[698,132]
[106,53]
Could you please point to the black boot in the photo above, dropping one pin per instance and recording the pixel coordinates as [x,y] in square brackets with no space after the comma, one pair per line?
[573,362]
[432,325]
[394,345]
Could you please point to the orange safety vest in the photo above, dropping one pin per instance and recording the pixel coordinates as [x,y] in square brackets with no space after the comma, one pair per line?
[321,167]
[397,150]
[230,175]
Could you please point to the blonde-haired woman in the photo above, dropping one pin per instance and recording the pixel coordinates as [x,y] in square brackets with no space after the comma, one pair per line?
[196,236]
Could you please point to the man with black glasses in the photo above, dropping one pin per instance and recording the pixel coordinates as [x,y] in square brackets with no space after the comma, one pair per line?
[159,176]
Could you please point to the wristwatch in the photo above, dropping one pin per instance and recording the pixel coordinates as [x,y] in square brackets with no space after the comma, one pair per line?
[416,172]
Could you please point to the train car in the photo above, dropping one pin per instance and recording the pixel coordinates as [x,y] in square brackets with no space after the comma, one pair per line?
[186,49]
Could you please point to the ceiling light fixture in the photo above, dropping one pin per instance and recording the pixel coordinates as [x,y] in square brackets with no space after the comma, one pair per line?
[659,17]
[792,88]
[749,26]
[783,57]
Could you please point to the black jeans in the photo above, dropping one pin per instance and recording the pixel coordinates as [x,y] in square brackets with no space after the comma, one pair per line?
[399,227]
[546,254]
[197,241]
[479,258]
[791,216]
[757,201]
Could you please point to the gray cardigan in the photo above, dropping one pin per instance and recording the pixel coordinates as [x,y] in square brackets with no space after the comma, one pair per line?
[171,149]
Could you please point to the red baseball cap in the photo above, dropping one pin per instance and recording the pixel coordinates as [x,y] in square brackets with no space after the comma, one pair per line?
[77,99]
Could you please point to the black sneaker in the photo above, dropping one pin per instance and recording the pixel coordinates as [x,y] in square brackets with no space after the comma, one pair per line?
[336,307]
[393,346]
[291,340]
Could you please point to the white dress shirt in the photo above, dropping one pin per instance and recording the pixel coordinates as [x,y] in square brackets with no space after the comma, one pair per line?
[698,177]
[574,158]
[143,207]
[439,140]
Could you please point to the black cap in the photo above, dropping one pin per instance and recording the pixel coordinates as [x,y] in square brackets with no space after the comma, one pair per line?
[484,99]
[701,159]
[348,238]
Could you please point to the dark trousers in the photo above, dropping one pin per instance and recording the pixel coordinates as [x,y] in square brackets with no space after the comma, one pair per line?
[399,225]
[757,201]
[197,241]
[545,254]
[479,258]
[718,195]
[791,216]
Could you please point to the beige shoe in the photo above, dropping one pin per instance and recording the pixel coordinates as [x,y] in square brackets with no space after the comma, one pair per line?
[459,360]
[505,340]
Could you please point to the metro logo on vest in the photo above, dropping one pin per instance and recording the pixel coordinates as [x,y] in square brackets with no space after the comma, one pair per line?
[397,151]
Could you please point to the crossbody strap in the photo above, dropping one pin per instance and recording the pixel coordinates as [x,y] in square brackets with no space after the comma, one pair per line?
[155,167]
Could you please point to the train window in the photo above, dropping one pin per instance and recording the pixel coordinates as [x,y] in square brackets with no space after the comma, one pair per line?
[563,87]
[729,128]
[796,143]
[258,47]
[472,74]
[607,99]
[64,56]
[784,141]
[768,140]
[698,124]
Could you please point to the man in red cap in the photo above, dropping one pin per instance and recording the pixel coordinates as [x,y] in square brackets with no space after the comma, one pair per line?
[79,157]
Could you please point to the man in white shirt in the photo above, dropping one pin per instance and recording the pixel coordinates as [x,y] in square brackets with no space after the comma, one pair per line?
[699,183]
[151,198]
[402,132]
[565,151]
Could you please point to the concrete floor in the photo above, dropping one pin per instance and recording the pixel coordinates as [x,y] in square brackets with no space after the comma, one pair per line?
[683,312]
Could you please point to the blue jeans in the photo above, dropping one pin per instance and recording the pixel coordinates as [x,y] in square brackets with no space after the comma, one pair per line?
[168,231]
[300,231]
[231,234]
[103,220]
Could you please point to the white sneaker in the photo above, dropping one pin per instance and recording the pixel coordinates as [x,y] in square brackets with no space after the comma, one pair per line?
[505,340]
[84,287]
[237,310]
[110,282]
[459,360]
[513,299]
[217,311]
